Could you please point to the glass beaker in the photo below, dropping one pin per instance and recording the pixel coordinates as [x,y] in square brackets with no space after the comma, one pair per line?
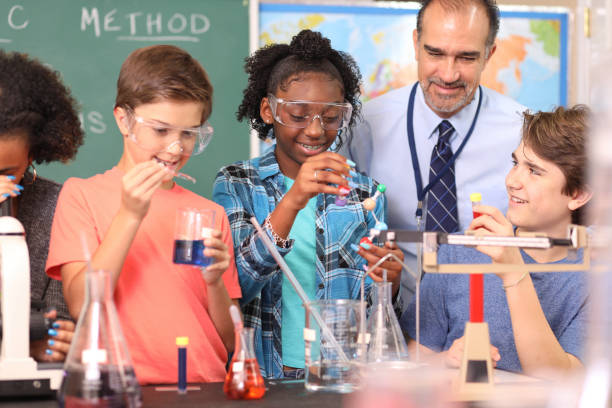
[326,368]
[386,340]
[98,371]
[193,226]
[243,379]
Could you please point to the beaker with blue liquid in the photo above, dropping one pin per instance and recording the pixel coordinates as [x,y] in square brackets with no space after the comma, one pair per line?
[193,226]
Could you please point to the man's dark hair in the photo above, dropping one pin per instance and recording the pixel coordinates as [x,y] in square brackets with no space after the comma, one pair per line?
[490,7]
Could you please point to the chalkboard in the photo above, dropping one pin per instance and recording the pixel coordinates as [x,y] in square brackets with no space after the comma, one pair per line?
[87,41]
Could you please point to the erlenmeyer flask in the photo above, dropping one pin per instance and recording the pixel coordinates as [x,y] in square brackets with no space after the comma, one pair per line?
[243,379]
[386,341]
[98,371]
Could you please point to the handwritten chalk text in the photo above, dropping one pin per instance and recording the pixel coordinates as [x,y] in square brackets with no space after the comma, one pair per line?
[145,26]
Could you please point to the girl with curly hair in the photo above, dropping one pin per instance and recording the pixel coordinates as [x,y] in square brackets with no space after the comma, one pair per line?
[304,95]
[38,123]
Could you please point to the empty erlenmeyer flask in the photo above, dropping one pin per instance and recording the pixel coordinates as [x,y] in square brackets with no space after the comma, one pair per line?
[386,341]
[243,379]
[98,371]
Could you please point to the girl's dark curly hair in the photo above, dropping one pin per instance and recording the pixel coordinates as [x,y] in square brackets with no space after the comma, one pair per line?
[34,100]
[270,67]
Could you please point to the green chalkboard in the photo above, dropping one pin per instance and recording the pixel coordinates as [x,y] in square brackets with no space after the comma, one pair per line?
[87,41]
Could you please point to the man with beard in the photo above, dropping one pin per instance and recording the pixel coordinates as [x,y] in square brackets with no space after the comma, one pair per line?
[437,141]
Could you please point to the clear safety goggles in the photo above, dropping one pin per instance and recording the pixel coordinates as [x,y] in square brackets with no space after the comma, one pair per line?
[160,137]
[300,114]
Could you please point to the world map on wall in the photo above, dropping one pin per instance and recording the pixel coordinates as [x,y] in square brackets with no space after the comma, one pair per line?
[529,64]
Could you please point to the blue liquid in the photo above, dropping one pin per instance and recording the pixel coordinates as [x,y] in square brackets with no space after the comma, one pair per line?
[190,253]
[182,370]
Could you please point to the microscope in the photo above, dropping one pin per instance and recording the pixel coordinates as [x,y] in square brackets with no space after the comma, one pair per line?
[20,375]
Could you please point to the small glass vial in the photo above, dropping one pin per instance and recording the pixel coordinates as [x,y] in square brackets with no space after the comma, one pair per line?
[181,343]
[475,198]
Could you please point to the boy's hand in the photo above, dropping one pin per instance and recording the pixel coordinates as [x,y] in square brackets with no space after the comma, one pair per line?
[139,184]
[493,222]
[316,175]
[394,268]
[454,354]
[216,249]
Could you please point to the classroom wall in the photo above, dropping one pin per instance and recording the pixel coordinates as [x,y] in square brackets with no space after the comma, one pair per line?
[87,40]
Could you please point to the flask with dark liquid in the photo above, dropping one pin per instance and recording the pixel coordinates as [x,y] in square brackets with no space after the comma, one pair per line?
[98,371]
[243,379]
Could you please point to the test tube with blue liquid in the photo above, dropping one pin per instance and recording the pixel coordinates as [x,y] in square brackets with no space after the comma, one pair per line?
[193,226]
[181,343]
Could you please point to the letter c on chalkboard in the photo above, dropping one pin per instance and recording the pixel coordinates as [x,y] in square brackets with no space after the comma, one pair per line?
[12,23]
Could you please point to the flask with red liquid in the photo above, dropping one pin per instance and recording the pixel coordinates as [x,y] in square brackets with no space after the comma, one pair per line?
[243,379]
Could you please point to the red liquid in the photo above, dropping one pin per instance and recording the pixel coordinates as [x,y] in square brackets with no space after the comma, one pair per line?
[246,383]
[365,240]
[476,292]
[476,298]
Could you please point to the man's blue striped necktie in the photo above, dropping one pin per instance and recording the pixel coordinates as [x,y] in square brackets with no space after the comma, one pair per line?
[442,198]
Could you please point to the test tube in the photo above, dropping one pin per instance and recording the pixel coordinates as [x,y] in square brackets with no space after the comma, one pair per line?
[475,198]
[182,343]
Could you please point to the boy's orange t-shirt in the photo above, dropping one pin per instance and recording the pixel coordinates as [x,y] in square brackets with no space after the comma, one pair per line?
[156,299]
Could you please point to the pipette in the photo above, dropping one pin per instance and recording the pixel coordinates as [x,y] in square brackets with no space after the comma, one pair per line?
[325,331]
[235,315]
[185,177]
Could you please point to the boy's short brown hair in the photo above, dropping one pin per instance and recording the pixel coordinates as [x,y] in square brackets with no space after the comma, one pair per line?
[560,138]
[163,72]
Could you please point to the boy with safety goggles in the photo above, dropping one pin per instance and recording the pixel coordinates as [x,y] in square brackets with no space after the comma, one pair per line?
[126,217]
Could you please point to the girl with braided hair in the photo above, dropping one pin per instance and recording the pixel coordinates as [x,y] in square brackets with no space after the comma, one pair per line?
[38,123]
[304,96]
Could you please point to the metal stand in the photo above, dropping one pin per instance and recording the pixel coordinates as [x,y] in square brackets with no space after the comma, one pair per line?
[475,380]
[476,371]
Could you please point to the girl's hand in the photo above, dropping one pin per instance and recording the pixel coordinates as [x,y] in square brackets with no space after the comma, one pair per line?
[493,222]
[139,184]
[8,188]
[394,268]
[55,346]
[216,249]
[317,175]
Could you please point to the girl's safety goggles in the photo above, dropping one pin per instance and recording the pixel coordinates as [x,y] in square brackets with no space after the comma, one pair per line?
[300,114]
